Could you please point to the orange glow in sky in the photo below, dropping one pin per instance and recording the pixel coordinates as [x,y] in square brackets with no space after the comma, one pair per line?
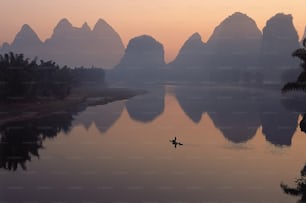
[169,21]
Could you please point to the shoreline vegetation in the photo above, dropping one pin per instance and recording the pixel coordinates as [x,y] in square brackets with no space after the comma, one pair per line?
[32,90]
[300,83]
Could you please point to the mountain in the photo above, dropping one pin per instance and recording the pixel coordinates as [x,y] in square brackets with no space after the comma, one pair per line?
[107,45]
[63,45]
[235,42]
[143,62]
[100,47]
[143,52]
[191,54]
[63,30]
[72,46]
[85,27]
[5,47]
[280,39]
[304,36]
[26,41]
[231,50]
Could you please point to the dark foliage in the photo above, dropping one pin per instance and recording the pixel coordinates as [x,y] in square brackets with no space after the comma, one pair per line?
[300,186]
[22,79]
[294,86]
[88,76]
[300,84]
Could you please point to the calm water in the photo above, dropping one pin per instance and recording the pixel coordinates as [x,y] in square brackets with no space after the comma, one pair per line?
[239,145]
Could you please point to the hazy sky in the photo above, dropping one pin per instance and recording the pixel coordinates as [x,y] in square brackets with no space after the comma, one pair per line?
[169,21]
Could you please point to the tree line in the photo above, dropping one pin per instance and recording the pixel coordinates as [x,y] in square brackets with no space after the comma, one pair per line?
[23,79]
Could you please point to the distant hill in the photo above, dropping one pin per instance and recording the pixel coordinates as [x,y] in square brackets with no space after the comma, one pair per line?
[26,41]
[280,39]
[143,52]
[233,47]
[237,51]
[191,61]
[142,62]
[72,46]
[235,42]
[191,55]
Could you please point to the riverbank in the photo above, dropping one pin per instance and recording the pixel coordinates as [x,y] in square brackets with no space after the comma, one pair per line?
[79,97]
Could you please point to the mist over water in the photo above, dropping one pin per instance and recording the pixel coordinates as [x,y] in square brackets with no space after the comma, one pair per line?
[240,142]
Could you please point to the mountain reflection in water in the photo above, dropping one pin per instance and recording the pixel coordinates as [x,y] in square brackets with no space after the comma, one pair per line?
[241,142]
[237,112]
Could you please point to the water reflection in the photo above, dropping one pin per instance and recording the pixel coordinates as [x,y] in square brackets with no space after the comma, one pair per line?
[104,117]
[192,102]
[297,105]
[148,107]
[235,113]
[239,112]
[278,124]
[22,140]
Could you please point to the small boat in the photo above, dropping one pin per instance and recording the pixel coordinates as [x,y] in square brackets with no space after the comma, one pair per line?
[175,142]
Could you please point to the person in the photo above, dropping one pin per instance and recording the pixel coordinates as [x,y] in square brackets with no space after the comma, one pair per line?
[175,143]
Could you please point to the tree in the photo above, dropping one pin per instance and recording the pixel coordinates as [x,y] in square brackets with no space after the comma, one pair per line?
[300,186]
[25,80]
[300,84]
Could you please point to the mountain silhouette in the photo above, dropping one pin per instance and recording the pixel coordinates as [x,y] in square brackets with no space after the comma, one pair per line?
[63,29]
[72,46]
[191,54]
[142,62]
[62,46]
[235,42]
[26,41]
[227,56]
[236,52]
[143,52]
[5,48]
[101,47]
[108,43]
[280,39]
[85,27]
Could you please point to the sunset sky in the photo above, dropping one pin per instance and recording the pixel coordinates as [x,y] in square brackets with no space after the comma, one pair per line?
[169,21]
